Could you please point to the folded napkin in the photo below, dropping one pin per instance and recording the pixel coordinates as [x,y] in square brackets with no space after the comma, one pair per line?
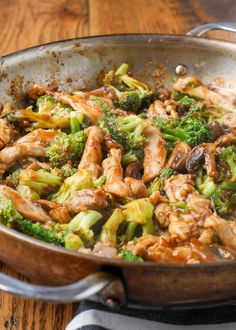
[94,316]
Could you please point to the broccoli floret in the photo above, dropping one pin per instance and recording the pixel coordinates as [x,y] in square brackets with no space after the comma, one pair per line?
[131,93]
[41,181]
[73,242]
[190,104]
[67,172]
[205,185]
[128,255]
[158,182]
[110,228]
[11,218]
[81,180]
[42,120]
[138,212]
[82,223]
[105,107]
[46,103]
[66,147]
[133,155]
[28,192]
[13,178]
[167,173]
[224,199]
[128,100]
[127,130]
[100,181]
[190,128]
[227,159]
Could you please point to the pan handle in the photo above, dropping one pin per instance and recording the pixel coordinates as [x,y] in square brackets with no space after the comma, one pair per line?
[100,286]
[202,29]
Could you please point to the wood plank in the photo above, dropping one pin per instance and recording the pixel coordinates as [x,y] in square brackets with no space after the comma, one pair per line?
[25,23]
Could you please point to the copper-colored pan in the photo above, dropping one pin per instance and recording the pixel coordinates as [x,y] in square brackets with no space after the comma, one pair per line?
[80,63]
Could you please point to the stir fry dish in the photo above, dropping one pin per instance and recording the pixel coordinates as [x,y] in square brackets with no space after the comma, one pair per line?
[126,171]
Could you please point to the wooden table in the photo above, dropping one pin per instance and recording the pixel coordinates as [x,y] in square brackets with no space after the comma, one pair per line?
[25,23]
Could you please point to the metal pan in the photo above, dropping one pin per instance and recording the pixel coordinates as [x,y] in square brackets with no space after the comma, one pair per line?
[80,63]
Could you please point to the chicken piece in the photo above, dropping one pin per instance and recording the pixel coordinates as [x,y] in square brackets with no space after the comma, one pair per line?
[200,207]
[170,106]
[194,87]
[60,214]
[192,252]
[225,140]
[80,103]
[208,236]
[6,133]
[182,227]
[162,214]
[112,144]
[225,229]
[178,157]
[36,91]
[157,109]
[9,155]
[178,187]
[142,244]
[230,121]
[26,208]
[138,188]
[154,153]
[92,155]
[48,205]
[92,199]
[156,198]
[43,136]
[114,175]
[104,250]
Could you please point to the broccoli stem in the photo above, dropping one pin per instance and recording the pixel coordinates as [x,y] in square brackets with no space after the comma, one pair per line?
[74,124]
[130,230]
[110,228]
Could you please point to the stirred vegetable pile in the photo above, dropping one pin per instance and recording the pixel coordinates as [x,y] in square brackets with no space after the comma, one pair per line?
[126,171]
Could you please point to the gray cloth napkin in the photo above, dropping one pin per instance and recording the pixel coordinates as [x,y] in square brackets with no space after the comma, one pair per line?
[94,316]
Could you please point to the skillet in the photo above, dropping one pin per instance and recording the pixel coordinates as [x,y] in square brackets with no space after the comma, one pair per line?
[80,63]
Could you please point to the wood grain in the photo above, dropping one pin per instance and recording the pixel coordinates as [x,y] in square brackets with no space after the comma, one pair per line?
[25,23]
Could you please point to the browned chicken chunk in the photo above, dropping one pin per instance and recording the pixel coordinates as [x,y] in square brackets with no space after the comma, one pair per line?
[26,208]
[154,154]
[114,175]
[92,199]
[92,155]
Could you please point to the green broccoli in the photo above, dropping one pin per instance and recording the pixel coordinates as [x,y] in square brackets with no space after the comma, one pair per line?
[28,192]
[41,120]
[133,155]
[128,255]
[82,179]
[105,107]
[66,147]
[158,183]
[167,173]
[131,94]
[13,178]
[82,223]
[41,181]
[100,181]
[46,103]
[127,131]
[190,128]
[52,233]
[224,199]
[190,104]
[110,228]
[227,159]
[205,184]
[138,212]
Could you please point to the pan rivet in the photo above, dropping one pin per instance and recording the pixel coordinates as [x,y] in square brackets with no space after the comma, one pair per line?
[181,70]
